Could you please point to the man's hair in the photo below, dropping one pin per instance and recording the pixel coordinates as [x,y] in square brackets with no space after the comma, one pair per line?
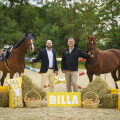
[71,39]
[48,40]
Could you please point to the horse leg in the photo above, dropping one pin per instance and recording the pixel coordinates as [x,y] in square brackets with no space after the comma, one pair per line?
[114,76]
[19,74]
[90,76]
[119,73]
[11,75]
[3,78]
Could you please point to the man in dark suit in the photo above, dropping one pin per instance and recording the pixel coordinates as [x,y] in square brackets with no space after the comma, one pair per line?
[69,64]
[48,65]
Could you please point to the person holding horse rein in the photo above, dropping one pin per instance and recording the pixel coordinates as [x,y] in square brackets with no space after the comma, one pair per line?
[69,64]
[48,65]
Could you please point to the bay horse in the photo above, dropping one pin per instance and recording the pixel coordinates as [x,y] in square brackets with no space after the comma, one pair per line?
[16,62]
[101,61]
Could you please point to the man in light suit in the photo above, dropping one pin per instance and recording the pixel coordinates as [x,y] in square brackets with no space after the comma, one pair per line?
[48,65]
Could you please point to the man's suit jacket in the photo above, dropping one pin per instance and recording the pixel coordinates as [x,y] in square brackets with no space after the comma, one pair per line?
[43,56]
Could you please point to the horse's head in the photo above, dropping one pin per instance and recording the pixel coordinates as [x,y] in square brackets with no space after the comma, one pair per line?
[91,45]
[29,41]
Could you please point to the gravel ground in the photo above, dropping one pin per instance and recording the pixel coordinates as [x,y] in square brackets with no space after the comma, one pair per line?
[61,113]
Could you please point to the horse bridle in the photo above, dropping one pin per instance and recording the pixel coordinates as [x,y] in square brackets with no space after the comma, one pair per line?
[26,39]
[90,48]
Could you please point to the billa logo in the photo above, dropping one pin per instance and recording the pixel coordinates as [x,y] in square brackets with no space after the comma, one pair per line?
[63,99]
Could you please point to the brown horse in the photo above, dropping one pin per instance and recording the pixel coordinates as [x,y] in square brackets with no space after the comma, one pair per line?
[100,62]
[16,62]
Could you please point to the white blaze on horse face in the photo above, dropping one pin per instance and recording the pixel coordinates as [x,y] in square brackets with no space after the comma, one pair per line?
[32,46]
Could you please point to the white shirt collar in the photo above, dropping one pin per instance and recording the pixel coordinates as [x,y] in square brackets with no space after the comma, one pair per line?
[71,49]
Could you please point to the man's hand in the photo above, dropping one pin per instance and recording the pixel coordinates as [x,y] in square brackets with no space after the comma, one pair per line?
[63,71]
[30,60]
[56,73]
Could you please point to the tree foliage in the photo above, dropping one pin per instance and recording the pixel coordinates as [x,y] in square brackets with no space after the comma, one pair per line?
[60,19]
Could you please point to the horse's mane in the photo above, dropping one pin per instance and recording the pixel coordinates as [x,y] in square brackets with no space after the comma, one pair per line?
[17,44]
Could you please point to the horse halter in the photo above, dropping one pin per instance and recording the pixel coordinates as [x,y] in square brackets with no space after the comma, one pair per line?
[92,48]
[27,39]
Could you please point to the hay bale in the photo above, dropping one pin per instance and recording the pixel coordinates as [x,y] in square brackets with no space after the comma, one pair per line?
[4,99]
[109,101]
[27,85]
[99,86]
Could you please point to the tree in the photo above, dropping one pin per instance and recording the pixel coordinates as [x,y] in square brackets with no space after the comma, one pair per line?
[109,24]
[10,33]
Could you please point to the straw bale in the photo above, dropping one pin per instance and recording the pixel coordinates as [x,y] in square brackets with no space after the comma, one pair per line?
[109,101]
[27,85]
[98,85]
[4,99]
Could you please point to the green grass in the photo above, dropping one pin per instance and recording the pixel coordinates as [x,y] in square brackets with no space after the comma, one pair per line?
[81,64]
